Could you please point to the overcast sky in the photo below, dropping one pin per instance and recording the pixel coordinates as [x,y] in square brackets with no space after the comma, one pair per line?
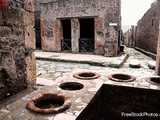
[133,10]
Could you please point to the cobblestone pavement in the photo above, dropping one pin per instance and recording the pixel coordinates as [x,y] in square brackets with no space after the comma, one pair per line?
[49,70]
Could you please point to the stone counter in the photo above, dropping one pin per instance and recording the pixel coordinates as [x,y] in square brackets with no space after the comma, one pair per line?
[79,98]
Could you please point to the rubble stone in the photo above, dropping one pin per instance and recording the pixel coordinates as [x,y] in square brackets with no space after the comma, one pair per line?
[17,61]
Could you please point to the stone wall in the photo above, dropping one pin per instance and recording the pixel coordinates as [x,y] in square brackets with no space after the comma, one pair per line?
[147,29]
[158,55]
[104,12]
[17,41]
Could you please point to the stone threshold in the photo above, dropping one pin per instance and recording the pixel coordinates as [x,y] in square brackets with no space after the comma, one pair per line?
[96,60]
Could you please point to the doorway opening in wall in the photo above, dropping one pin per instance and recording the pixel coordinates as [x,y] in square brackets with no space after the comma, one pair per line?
[38,31]
[66,44]
[87,39]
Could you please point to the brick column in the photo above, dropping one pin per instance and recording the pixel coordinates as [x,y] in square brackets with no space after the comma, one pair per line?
[158,55]
[75,29]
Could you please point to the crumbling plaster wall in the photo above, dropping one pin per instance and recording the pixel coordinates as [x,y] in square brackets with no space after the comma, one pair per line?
[17,41]
[147,29]
[104,12]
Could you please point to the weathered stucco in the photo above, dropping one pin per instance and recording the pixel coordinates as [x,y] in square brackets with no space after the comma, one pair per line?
[147,29]
[17,41]
[158,54]
[103,12]
[145,34]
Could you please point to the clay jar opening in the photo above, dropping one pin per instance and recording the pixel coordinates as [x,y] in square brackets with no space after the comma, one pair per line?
[49,103]
[71,86]
[86,75]
[121,78]
[154,80]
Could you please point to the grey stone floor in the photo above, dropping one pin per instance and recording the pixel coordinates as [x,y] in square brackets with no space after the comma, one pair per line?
[49,70]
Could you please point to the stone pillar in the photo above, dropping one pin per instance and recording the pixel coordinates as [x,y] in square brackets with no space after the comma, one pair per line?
[99,36]
[111,42]
[158,55]
[29,23]
[75,30]
[59,35]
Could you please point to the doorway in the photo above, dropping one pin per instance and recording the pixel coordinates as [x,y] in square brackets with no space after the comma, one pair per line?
[86,41]
[66,44]
[38,30]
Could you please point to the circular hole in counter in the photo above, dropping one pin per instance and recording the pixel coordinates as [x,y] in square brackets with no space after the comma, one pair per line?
[86,75]
[121,77]
[154,80]
[72,86]
[49,103]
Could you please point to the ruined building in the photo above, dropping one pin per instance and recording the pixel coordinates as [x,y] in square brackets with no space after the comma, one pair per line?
[87,26]
[70,91]
[148,29]
[145,34]
[17,39]
[130,37]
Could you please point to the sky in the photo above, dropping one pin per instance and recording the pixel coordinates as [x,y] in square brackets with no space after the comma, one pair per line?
[133,10]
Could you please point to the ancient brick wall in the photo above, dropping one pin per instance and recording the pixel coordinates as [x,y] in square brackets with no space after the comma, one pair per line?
[104,12]
[147,29]
[17,39]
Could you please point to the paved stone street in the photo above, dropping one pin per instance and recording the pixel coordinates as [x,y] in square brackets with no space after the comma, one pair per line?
[50,70]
